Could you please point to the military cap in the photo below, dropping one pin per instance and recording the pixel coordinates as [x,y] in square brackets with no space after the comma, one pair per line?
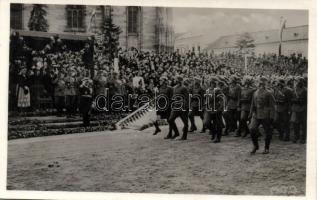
[247,80]
[233,79]
[262,79]
[280,82]
[164,78]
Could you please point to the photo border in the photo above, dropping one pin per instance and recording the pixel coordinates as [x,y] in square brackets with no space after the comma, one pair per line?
[311,155]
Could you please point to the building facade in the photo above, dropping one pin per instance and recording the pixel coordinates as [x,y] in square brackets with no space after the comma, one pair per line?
[144,28]
[294,40]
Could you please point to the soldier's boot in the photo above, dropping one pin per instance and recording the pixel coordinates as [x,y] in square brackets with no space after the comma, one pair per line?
[184,136]
[255,141]
[296,133]
[218,136]
[281,134]
[192,129]
[303,138]
[255,148]
[226,132]
[169,136]
[246,133]
[157,128]
[203,130]
[287,137]
[267,145]
[238,133]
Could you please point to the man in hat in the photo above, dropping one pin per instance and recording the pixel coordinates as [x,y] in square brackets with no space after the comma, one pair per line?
[282,96]
[244,105]
[179,108]
[233,98]
[197,96]
[299,110]
[163,100]
[261,106]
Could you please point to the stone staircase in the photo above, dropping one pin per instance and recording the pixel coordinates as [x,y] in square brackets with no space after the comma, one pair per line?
[37,126]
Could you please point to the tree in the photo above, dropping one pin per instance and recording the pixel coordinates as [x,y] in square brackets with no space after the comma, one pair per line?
[37,21]
[110,34]
[245,43]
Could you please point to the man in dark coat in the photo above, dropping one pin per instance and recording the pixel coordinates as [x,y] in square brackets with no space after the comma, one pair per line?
[85,101]
[179,108]
[233,97]
[282,96]
[244,105]
[261,107]
[163,104]
[197,97]
[299,111]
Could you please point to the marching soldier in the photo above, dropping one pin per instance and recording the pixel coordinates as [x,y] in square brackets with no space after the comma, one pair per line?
[210,121]
[282,96]
[233,97]
[299,110]
[179,108]
[244,105]
[163,100]
[85,101]
[261,106]
[196,104]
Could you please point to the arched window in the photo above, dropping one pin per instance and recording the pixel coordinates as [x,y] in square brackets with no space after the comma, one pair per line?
[75,17]
[133,13]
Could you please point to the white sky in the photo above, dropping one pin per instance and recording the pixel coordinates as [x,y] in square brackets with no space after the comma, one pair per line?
[218,22]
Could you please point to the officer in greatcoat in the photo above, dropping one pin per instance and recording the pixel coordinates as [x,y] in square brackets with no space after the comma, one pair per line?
[197,97]
[261,106]
[85,100]
[244,105]
[179,108]
[163,104]
[299,110]
[282,99]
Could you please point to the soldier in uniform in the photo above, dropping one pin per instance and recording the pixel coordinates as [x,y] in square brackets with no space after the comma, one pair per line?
[209,108]
[70,92]
[59,92]
[179,108]
[244,105]
[164,97]
[85,101]
[233,97]
[196,104]
[261,106]
[299,110]
[282,96]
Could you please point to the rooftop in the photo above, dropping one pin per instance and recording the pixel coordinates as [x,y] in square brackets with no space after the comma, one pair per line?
[262,37]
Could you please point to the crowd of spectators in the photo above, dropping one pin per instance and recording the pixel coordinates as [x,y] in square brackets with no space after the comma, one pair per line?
[55,71]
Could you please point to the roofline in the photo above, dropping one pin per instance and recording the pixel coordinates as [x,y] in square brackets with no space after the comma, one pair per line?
[257,44]
[261,31]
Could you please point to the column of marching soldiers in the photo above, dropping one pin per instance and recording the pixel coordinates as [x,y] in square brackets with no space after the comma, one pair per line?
[239,106]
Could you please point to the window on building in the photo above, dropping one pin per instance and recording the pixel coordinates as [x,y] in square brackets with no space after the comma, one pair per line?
[75,17]
[295,34]
[266,37]
[16,16]
[133,13]
[107,11]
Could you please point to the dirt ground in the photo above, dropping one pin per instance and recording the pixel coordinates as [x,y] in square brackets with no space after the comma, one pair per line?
[132,161]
